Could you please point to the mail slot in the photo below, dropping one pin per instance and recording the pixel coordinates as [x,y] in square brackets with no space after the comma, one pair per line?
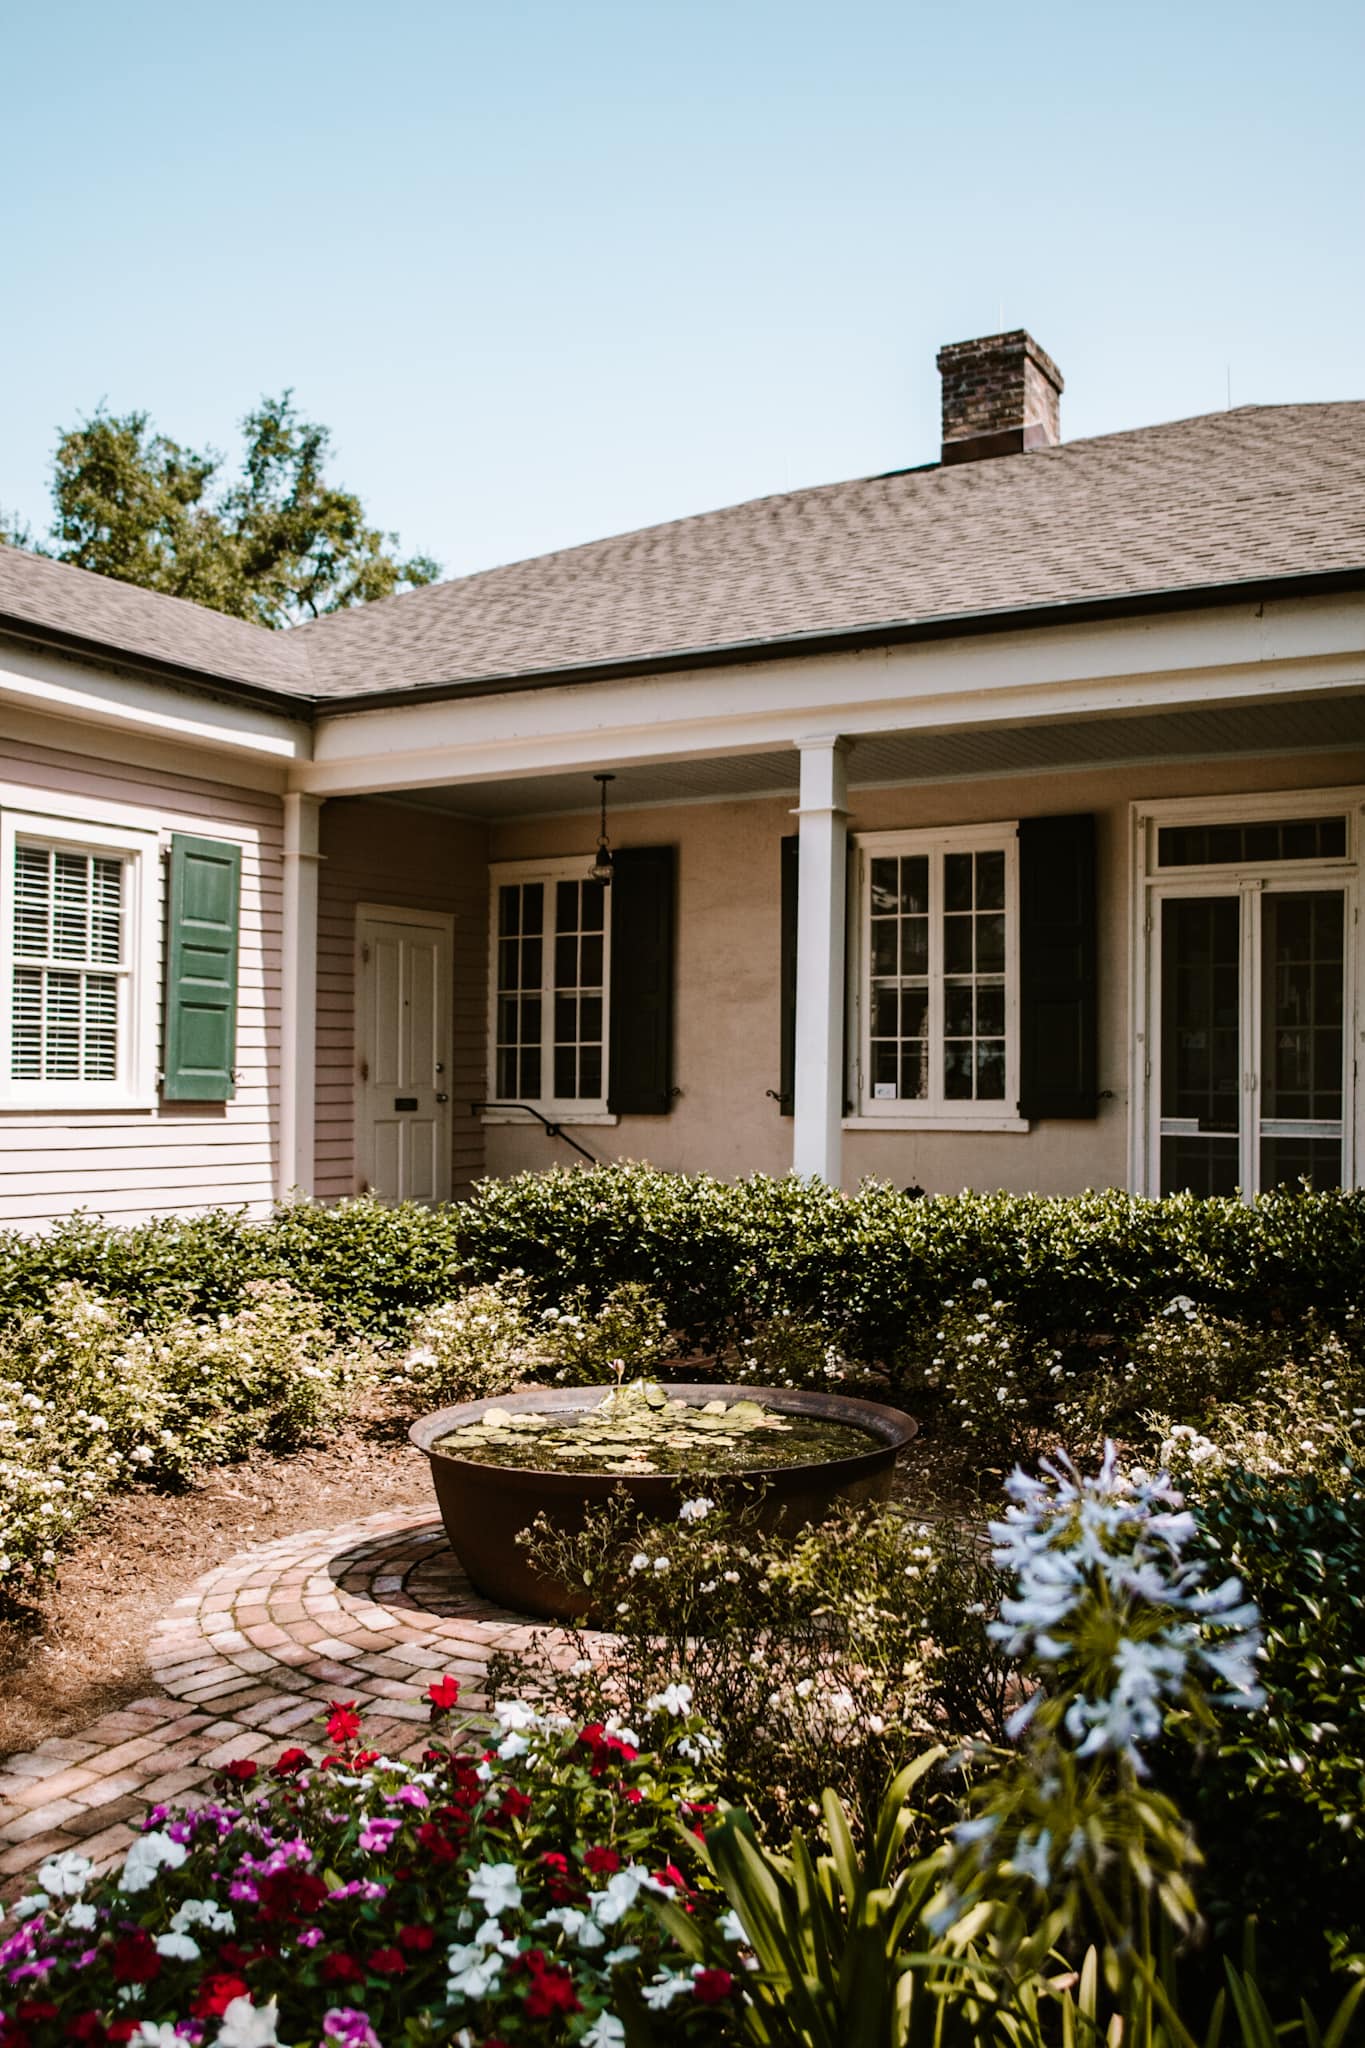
[405,1102]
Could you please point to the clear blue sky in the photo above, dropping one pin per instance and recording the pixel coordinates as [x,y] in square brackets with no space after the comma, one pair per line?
[557,268]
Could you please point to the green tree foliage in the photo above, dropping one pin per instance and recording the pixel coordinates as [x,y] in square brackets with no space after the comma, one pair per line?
[277,544]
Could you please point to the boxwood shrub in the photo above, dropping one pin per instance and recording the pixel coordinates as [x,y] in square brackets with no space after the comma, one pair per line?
[875,1266]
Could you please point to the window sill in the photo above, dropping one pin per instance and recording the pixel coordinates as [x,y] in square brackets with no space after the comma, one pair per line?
[936,1123]
[49,1098]
[570,1119]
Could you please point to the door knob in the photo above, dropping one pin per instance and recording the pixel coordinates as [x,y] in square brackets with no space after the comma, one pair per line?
[443,1098]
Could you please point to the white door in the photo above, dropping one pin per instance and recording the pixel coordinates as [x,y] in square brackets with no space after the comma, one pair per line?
[403,1001]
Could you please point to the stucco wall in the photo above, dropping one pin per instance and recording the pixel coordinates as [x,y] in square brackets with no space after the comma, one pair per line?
[727,976]
[176,1157]
[394,854]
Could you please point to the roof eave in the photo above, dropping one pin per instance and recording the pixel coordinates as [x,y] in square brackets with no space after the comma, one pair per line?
[207,682]
[860,639]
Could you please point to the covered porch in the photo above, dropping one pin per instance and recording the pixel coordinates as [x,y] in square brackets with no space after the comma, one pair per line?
[853,953]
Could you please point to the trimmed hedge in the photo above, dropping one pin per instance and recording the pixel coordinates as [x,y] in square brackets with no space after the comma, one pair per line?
[876,1266]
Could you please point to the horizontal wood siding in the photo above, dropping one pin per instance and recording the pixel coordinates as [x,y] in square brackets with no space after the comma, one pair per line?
[128,1164]
[406,859]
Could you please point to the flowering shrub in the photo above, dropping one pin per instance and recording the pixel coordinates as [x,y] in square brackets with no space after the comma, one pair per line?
[790,1350]
[1284,1790]
[482,1344]
[492,1339]
[484,1896]
[89,1404]
[826,1657]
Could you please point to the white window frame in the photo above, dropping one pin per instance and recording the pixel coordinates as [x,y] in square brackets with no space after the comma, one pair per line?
[134,1085]
[561,1109]
[1153,884]
[937,1112]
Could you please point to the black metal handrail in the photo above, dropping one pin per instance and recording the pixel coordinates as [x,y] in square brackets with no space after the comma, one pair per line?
[552,1130]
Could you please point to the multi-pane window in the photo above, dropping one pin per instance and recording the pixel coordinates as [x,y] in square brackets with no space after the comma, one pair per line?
[69,957]
[937,990]
[549,1001]
[1246,1074]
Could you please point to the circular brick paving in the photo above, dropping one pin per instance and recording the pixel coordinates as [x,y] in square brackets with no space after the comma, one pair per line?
[374,1610]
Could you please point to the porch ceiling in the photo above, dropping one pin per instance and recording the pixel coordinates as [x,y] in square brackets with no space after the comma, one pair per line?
[1040,747]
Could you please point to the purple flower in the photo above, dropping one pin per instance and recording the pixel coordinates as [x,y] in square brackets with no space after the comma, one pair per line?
[155,1817]
[39,1967]
[377,1835]
[18,1944]
[310,1937]
[408,1795]
[243,1889]
[349,2026]
[359,1888]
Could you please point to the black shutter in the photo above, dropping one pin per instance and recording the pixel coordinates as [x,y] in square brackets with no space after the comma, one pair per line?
[642,891]
[786,1069]
[1058,1019]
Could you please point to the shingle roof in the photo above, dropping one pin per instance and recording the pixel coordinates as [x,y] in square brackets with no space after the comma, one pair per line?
[1259,492]
[1262,492]
[143,625]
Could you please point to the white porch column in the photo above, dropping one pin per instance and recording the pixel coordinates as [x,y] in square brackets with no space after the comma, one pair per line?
[817,1132]
[298,994]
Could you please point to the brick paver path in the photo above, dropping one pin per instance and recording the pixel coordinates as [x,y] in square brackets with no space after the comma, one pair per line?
[372,1611]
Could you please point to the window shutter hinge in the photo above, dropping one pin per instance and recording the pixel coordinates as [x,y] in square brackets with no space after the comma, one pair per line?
[364,1070]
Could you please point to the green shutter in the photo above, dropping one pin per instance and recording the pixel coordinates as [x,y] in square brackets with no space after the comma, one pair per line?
[786,1082]
[1058,977]
[642,894]
[201,969]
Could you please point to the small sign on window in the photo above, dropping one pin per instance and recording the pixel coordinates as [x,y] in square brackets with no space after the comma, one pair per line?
[884,1091]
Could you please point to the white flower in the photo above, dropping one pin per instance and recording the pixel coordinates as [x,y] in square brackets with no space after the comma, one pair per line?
[660,1994]
[248,2026]
[606,2031]
[674,1699]
[625,1954]
[202,1913]
[179,1947]
[515,1715]
[82,1917]
[695,1510]
[577,1925]
[511,1746]
[640,1562]
[148,1854]
[24,1909]
[732,1928]
[661,1564]
[476,1978]
[66,1875]
[157,2034]
[494,1886]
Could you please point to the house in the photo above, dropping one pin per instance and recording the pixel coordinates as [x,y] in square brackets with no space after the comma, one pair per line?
[992,823]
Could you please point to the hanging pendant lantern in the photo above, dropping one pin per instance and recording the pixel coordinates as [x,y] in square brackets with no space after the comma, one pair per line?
[603,867]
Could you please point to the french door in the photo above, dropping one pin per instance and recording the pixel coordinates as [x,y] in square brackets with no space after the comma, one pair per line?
[1250,1007]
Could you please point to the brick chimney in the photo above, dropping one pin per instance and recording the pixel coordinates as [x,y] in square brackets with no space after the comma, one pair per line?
[1000,396]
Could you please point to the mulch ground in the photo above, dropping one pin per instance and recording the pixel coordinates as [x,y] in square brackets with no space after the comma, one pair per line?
[82,1651]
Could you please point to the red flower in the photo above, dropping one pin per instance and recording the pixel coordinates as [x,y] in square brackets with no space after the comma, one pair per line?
[364,1757]
[343,1722]
[342,1969]
[86,2026]
[560,1880]
[123,2030]
[290,1895]
[290,1763]
[444,1695]
[216,1994]
[711,1986]
[135,1958]
[601,1862]
[437,1846]
[419,1938]
[551,1991]
[390,1962]
[670,1874]
[36,2009]
[241,1770]
[514,1805]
